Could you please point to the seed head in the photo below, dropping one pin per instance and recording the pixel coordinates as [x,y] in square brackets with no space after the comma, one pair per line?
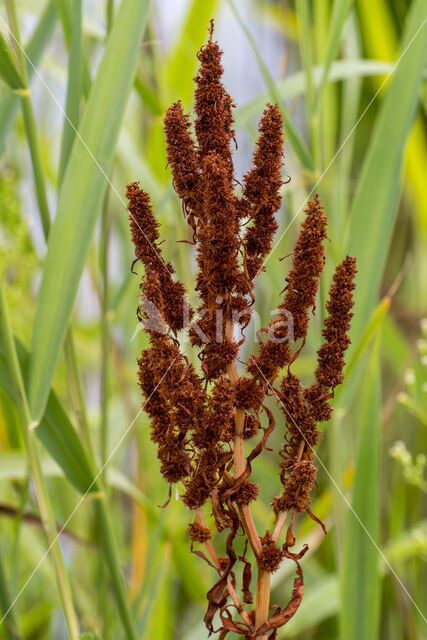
[308,261]
[261,190]
[198,533]
[271,556]
[330,356]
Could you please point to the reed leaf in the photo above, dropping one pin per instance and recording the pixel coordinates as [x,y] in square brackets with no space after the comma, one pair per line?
[8,70]
[81,197]
[360,576]
[375,202]
[9,102]
[295,138]
[55,431]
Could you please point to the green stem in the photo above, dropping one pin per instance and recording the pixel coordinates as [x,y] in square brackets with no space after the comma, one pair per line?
[110,14]
[77,396]
[110,553]
[111,556]
[105,337]
[10,623]
[103,259]
[28,434]
[17,528]
[31,133]
[72,106]
[29,122]
[307,60]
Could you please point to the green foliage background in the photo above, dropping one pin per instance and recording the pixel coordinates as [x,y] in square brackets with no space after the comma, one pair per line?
[350,80]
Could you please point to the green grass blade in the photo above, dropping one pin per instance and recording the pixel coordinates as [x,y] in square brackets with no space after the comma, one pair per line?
[370,330]
[11,628]
[31,446]
[191,37]
[61,440]
[294,84]
[81,197]
[340,12]
[72,106]
[111,558]
[307,57]
[149,97]
[295,138]
[374,205]
[66,18]
[55,431]
[8,70]
[9,103]
[360,575]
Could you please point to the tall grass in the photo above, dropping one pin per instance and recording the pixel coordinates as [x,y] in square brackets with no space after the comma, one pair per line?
[81,103]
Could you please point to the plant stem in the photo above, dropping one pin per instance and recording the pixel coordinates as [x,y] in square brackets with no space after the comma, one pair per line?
[240,463]
[263,578]
[31,133]
[303,12]
[262,600]
[231,590]
[279,525]
[77,396]
[40,185]
[111,557]
[72,105]
[105,333]
[46,512]
[29,121]
[110,547]
[11,628]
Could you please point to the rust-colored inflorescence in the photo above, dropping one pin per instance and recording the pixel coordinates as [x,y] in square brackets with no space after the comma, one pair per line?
[261,190]
[201,415]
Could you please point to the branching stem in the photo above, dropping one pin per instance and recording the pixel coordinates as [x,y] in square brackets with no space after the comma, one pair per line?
[231,590]
[263,578]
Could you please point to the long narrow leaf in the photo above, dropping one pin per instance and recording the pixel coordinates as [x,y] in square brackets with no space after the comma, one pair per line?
[295,83]
[340,12]
[66,19]
[9,72]
[190,38]
[374,207]
[11,628]
[81,197]
[360,576]
[72,106]
[295,138]
[9,103]
[55,431]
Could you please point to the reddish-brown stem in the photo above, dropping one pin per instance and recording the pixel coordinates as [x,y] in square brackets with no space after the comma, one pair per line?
[231,590]
[279,525]
[262,600]
[240,462]
[263,578]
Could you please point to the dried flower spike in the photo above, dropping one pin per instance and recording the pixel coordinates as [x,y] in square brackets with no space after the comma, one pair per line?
[200,417]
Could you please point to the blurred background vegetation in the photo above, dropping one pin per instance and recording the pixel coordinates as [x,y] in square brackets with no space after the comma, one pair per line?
[350,78]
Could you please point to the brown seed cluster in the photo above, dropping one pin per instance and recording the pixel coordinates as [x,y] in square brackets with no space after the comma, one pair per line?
[158,287]
[246,493]
[308,261]
[291,323]
[261,190]
[200,415]
[304,408]
[198,533]
[271,556]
